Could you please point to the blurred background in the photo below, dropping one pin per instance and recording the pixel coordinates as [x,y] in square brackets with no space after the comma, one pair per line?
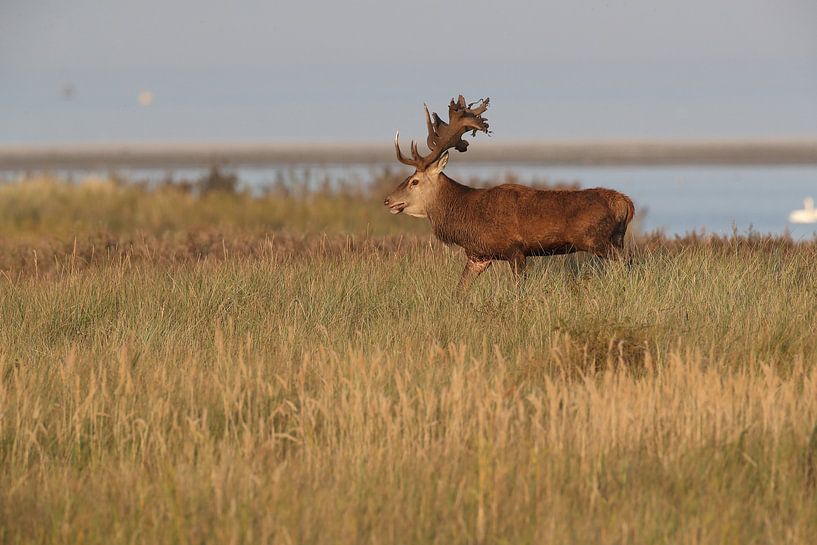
[159,91]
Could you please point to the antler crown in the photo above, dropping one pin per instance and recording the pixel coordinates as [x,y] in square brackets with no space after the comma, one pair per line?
[462,118]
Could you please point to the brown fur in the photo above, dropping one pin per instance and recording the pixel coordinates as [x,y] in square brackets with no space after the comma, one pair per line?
[505,221]
[511,222]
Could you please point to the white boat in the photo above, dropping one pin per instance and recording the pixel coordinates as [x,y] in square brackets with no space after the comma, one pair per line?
[807,215]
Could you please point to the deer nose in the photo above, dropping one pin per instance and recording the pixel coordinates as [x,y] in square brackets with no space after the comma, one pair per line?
[387,201]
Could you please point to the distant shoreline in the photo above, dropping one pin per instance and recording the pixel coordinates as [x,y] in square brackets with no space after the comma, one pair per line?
[482,151]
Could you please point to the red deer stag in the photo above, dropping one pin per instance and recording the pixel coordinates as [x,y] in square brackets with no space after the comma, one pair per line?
[509,222]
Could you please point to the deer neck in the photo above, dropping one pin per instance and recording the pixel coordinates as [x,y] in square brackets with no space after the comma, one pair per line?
[449,214]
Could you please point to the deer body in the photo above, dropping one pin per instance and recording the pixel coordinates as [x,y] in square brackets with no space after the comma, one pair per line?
[509,222]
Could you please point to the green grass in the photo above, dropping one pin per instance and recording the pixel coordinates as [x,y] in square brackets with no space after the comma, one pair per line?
[253,385]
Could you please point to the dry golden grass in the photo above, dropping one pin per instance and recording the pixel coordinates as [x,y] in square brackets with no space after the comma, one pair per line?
[247,385]
[50,207]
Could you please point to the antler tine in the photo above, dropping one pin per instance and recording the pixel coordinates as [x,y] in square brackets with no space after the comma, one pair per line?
[414,152]
[431,127]
[483,105]
[409,162]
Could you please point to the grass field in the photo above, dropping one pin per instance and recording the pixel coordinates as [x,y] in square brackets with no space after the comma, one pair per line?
[295,369]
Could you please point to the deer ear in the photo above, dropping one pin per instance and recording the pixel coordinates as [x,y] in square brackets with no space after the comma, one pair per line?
[440,164]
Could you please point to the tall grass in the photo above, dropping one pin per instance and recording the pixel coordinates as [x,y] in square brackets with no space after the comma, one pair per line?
[49,206]
[285,388]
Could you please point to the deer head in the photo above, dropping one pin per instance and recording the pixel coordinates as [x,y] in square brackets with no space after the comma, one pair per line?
[414,194]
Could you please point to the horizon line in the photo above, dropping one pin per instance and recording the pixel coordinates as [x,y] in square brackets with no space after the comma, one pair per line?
[575,151]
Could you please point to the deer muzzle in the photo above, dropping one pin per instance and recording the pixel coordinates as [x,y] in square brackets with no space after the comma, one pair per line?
[394,207]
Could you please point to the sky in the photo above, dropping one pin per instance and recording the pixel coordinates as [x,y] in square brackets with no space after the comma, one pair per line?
[212,70]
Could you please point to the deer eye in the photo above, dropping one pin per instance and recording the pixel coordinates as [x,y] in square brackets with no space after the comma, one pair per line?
[414,182]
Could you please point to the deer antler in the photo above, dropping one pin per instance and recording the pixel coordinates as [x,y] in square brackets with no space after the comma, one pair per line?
[462,118]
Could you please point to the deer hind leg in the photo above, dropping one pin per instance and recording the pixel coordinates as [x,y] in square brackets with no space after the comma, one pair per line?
[611,252]
[473,268]
[607,247]
[608,251]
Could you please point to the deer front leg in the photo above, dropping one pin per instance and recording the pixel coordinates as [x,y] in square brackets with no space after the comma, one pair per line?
[518,263]
[473,268]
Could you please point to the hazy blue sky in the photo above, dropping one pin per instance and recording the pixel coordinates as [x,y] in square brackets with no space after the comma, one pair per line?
[360,69]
